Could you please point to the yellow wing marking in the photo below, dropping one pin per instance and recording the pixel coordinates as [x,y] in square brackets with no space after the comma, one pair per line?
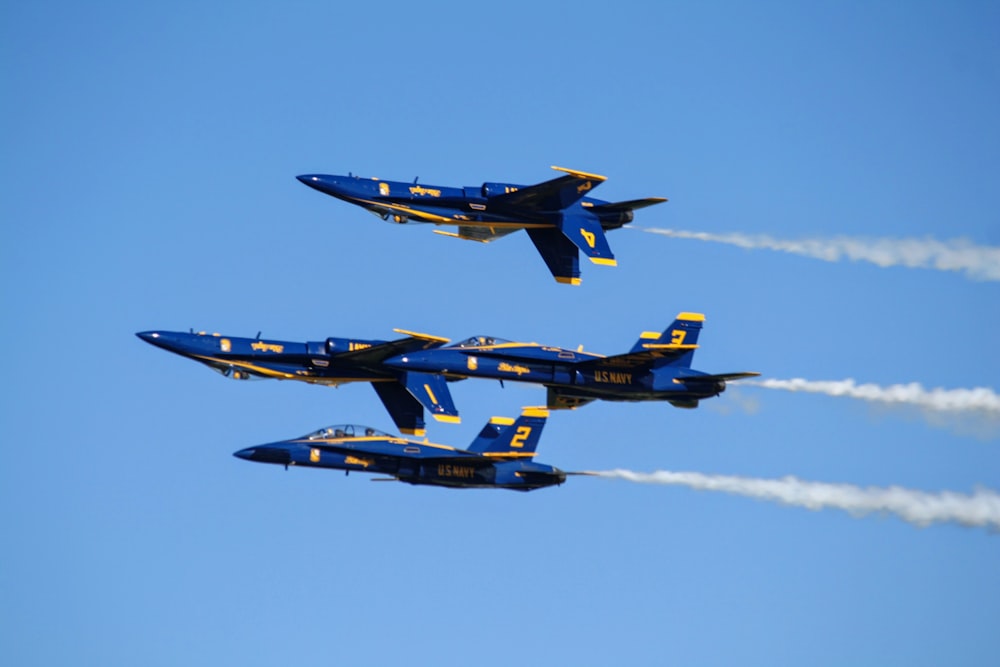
[580,174]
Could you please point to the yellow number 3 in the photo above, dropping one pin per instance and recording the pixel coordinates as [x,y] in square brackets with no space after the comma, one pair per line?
[678,336]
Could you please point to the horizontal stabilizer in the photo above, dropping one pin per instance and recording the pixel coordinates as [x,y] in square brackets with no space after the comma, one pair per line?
[631,205]
[718,377]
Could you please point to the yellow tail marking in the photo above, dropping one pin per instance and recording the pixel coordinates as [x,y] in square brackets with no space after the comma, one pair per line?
[691,317]
[430,393]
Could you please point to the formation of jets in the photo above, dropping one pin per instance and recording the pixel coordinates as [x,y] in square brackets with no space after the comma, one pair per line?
[411,373]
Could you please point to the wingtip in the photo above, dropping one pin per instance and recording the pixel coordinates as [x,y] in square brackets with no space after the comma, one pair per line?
[580,174]
[448,419]
[567,280]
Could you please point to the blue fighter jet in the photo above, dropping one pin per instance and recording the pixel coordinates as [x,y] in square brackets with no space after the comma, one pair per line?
[411,373]
[558,216]
[500,457]
[331,362]
[657,368]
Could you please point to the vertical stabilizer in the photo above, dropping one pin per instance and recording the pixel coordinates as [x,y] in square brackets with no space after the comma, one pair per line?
[681,335]
[505,437]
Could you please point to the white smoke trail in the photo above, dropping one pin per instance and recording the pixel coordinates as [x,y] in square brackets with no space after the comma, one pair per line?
[980,399]
[976,261]
[982,508]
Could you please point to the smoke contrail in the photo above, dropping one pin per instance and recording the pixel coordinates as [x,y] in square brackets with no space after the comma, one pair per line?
[979,399]
[982,508]
[976,261]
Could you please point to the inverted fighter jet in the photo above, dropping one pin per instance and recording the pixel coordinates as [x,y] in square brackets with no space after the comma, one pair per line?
[558,215]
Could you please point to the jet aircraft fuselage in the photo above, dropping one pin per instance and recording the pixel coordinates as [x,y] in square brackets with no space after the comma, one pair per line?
[500,457]
[559,217]
[331,362]
[658,367]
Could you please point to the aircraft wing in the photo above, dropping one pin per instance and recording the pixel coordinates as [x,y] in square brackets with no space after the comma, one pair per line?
[376,354]
[554,195]
[483,233]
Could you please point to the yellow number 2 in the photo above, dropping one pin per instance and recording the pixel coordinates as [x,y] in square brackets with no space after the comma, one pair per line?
[522,434]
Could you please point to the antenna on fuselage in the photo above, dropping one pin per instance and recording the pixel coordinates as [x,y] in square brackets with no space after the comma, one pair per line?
[415,179]
[258,335]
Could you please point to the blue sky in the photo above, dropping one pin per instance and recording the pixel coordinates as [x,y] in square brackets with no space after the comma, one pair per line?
[149,155]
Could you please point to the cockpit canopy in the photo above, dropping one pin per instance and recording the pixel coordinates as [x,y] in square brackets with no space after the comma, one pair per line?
[347,431]
[482,341]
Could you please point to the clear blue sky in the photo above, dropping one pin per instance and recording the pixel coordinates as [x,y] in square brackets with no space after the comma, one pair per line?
[147,181]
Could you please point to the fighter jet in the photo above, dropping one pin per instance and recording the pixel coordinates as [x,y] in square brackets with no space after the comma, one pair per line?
[500,457]
[657,368]
[411,373]
[558,216]
[331,362]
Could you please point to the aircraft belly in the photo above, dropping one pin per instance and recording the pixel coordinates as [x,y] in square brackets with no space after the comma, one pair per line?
[455,474]
[519,370]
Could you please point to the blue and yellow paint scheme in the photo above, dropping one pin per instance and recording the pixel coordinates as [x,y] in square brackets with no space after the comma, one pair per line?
[411,373]
[657,368]
[558,216]
[500,457]
[330,362]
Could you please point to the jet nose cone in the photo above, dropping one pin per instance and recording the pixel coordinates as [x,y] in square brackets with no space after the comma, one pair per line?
[161,339]
[313,180]
[276,453]
[321,182]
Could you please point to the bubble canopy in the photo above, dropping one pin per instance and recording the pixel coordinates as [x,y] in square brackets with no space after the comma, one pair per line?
[346,431]
[482,341]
